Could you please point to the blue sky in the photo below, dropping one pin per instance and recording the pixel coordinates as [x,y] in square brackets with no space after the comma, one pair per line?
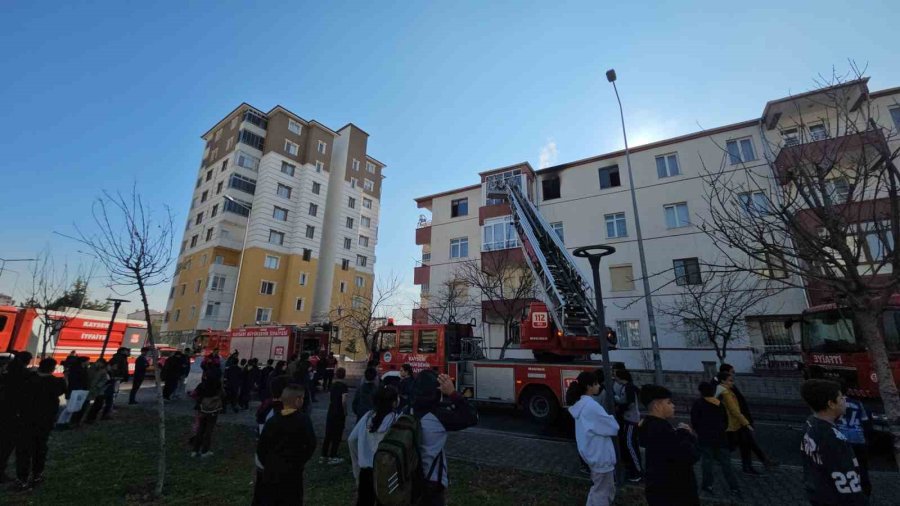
[101,95]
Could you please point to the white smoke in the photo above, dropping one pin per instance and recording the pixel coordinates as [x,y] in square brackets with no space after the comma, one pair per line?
[548,154]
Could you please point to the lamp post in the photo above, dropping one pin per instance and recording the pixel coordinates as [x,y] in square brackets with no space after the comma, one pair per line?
[648,298]
[116,304]
[237,282]
[4,260]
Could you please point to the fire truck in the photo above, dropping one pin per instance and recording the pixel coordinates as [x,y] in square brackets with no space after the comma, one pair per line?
[22,329]
[828,341]
[277,342]
[561,330]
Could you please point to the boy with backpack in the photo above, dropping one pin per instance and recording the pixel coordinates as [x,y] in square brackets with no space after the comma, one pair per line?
[365,439]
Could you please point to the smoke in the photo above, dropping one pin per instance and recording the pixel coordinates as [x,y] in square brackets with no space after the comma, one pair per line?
[548,154]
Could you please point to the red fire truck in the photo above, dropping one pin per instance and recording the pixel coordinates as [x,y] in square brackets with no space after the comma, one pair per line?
[82,331]
[828,340]
[277,342]
[561,330]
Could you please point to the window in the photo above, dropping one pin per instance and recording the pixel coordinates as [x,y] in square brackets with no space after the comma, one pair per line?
[343,287]
[204,196]
[345,265]
[348,243]
[263,314]
[251,139]
[740,150]
[209,175]
[358,303]
[280,214]
[303,277]
[498,234]
[365,221]
[349,222]
[615,225]
[237,207]
[355,164]
[218,135]
[459,207]
[299,304]
[621,278]
[199,218]
[219,187]
[291,148]
[209,233]
[367,203]
[500,181]
[550,188]
[271,262]
[321,147]
[219,259]
[193,241]
[687,271]
[199,182]
[284,191]
[241,183]
[370,167]
[609,177]
[307,254]
[234,122]
[354,182]
[774,267]
[276,237]
[256,118]
[361,260]
[183,288]
[405,341]
[224,233]
[316,187]
[895,115]
[228,145]
[225,161]
[319,166]
[459,248]
[790,137]
[287,168]
[428,341]
[557,227]
[215,211]
[369,185]
[293,126]
[754,203]
[360,281]
[818,132]
[203,259]
[667,166]
[677,215]
[212,309]
[177,314]
[310,232]
[364,241]
[266,287]
[351,202]
[838,189]
[629,333]
[247,161]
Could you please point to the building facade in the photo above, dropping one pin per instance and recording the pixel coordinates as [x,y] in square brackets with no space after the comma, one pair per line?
[283,223]
[588,202]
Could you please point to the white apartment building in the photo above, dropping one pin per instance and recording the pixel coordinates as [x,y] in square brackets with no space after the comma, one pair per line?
[588,202]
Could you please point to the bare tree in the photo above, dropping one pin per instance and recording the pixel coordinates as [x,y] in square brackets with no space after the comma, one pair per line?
[452,302]
[714,309]
[504,285]
[824,209]
[49,286]
[136,250]
[361,312]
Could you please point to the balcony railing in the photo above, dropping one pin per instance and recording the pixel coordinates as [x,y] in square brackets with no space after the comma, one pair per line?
[499,245]
[781,357]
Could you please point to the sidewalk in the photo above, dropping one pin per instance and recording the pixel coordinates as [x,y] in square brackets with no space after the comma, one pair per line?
[783,485]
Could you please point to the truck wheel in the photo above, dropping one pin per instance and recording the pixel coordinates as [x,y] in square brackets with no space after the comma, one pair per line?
[541,406]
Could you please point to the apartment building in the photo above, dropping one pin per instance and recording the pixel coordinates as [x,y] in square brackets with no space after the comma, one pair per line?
[283,223]
[588,202]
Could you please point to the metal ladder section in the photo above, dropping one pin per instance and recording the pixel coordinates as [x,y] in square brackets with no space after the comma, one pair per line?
[569,297]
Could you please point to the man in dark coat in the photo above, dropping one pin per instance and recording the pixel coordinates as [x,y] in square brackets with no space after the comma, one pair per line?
[709,420]
[12,381]
[38,414]
[670,452]
[140,372]
[171,374]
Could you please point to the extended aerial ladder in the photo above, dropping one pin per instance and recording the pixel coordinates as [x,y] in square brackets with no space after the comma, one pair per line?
[567,295]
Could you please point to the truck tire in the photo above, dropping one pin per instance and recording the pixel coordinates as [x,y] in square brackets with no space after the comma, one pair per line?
[541,405]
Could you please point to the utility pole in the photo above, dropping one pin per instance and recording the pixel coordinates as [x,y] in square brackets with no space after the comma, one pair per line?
[116,304]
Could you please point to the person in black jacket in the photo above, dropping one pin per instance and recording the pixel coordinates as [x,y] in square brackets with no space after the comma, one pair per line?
[140,372]
[407,379]
[831,473]
[38,414]
[234,378]
[362,399]
[171,374]
[670,452]
[12,381]
[262,382]
[287,442]
[709,421]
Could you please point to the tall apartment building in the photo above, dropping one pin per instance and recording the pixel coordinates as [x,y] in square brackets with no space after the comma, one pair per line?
[283,223]
[588,202]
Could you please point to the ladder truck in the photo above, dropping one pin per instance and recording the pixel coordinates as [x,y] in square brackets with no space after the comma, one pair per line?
[561,330]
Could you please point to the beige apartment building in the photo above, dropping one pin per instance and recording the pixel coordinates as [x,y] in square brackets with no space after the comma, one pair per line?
[588,202]
[283,223]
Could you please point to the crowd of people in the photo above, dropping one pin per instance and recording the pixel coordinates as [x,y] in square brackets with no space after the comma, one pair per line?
[833,448]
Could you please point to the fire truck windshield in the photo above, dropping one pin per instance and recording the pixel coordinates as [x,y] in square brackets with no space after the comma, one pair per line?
[829,332]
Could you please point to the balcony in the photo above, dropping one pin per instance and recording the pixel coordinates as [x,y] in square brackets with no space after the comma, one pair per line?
[423,233]
[827,151]
[421,275]
[489,211]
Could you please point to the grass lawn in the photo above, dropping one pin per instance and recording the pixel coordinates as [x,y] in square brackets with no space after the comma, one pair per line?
[114,462]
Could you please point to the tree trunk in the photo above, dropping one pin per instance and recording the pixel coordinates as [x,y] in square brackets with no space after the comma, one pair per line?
[867,323]
[505,340]
[160,404]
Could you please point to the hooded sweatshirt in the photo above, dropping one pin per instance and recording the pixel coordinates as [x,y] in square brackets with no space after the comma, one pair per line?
[363,443]
[594,430]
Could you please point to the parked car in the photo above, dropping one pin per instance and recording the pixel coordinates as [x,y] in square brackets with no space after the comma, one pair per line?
[164,353]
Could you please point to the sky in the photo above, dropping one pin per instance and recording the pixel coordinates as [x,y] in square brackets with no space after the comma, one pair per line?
[105,95]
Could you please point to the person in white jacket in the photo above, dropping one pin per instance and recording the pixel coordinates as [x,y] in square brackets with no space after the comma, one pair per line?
[594,433]
[365,437]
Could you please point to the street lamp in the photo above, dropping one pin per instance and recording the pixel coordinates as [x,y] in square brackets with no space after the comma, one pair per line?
[4,260]
[648,299]
[112,320]
[237,282]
